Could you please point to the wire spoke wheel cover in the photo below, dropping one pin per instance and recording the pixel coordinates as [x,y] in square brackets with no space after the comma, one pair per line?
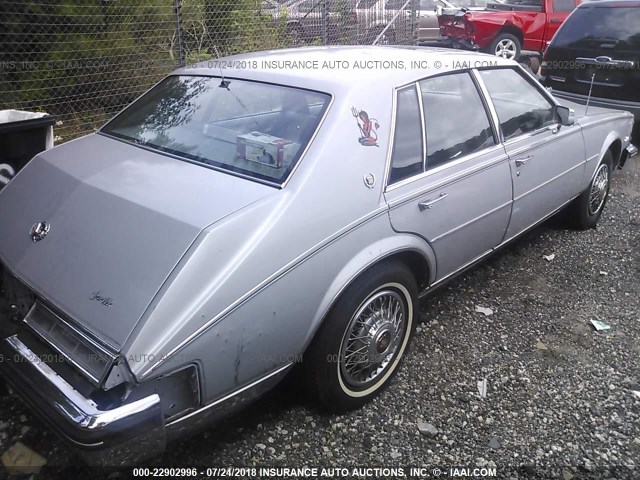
[375,339]
[599,188]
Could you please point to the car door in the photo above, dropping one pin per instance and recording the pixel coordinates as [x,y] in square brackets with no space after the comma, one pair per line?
[547,160]
[561,10]
[449,179]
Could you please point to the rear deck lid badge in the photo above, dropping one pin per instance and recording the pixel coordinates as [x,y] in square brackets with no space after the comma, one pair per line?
[98,297]
[39,231]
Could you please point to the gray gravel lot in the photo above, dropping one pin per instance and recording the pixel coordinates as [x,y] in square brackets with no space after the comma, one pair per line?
[559,399]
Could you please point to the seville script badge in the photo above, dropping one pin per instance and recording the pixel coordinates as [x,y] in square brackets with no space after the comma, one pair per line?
[39,231]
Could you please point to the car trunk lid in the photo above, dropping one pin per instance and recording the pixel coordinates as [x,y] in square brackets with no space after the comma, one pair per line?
[120,219]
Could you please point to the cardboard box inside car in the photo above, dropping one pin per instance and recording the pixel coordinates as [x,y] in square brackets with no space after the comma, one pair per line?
[266,149]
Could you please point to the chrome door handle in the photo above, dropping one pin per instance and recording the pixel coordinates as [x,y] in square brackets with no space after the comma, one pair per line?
[522,161]
[427,204]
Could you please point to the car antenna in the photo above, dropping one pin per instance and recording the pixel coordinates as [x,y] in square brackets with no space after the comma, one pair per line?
[593,77]
[223,83]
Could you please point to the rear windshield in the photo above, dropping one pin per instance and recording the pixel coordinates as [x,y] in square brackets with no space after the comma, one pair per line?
[254,129]
[600,27]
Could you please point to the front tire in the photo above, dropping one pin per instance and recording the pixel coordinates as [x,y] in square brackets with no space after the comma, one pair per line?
[360,344]
[587,209]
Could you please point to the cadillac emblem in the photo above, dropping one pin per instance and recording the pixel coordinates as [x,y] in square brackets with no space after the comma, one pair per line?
[39,231]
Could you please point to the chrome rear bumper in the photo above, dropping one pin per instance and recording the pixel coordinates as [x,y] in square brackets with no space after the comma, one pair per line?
[627,153]
[104,437]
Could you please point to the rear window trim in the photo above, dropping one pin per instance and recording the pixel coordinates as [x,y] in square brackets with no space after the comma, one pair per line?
[185,158]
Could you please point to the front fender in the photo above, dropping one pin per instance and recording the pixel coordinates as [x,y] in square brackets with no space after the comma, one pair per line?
[600,133]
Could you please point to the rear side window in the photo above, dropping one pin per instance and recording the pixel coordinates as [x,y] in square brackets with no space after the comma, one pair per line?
[521,107]
[455,119]
[599,27]
[563,5]
[406,158]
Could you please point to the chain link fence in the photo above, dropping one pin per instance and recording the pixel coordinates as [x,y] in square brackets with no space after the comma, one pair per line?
[84,60]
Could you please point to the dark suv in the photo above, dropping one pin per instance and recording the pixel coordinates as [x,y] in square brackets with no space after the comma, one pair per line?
[600,41]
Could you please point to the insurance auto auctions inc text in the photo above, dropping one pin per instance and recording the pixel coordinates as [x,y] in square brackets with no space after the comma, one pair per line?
[344,64]
[368,472]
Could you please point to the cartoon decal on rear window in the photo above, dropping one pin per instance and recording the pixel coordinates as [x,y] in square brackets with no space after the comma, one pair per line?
[368,128]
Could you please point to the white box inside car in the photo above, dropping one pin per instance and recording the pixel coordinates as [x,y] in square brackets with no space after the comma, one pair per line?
[266,149]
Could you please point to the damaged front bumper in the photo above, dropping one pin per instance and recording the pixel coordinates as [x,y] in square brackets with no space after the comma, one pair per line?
[115,436]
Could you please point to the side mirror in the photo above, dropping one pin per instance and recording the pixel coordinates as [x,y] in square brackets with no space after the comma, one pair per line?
[565,115]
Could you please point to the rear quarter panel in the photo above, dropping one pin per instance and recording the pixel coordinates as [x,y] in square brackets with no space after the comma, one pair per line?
[285,260]
[273,327]
[489,25]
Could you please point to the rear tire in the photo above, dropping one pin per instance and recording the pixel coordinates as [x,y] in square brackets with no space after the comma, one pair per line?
[586,210]
[360,344]
[505,45]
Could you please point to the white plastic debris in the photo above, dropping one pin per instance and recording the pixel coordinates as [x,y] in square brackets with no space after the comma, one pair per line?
[636,393]
[485,310]
[549,258]
[20,459]
[482,388]
[603,273]
[598,325]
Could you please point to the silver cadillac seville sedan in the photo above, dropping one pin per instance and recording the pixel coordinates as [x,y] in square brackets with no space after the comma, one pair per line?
[174,265]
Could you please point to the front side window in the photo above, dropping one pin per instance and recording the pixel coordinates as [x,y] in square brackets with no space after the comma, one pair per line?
[455,118]
[406,157]
[521,107]
[254,129]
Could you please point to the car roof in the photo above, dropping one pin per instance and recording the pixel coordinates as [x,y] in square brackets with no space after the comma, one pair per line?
[386,65]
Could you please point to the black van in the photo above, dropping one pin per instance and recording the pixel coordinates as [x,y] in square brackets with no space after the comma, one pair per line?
[599,42]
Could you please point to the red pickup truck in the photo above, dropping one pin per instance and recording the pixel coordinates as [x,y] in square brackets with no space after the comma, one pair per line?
[505,28]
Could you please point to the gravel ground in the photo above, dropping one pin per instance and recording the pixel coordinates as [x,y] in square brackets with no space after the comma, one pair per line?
[559,399]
